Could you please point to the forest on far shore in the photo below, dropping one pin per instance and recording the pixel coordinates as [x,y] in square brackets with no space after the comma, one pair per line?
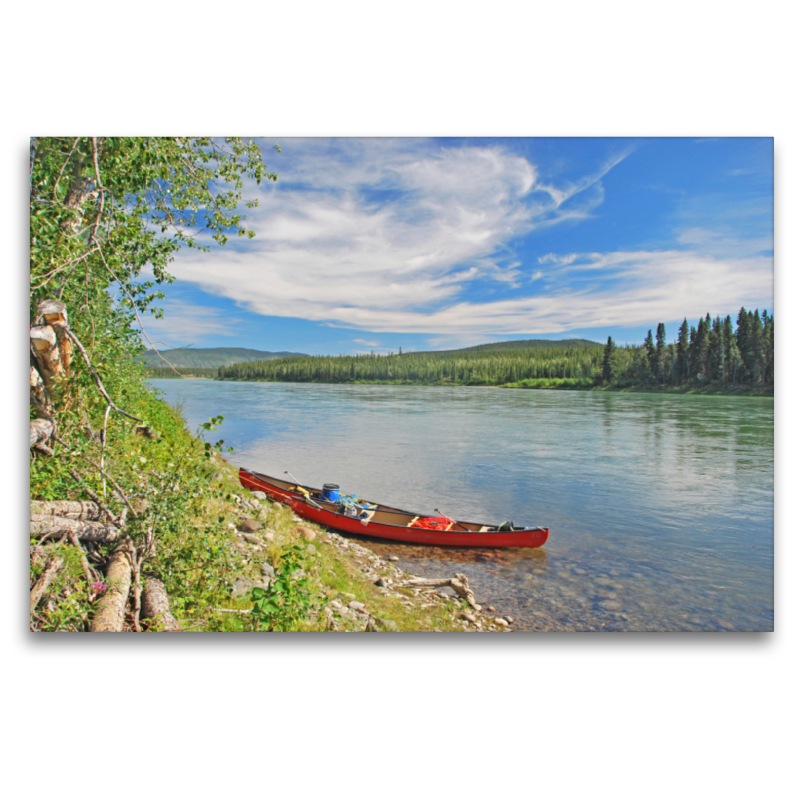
[712,353]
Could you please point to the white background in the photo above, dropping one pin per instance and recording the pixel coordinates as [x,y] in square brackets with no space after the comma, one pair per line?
[579,715]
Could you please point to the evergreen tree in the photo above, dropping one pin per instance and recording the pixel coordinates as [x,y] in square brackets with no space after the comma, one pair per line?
[700,349]
[691,356]
[652,354]
[769,347]
[716,355]
[758,348]
[661,343]
[683,352]
[743,341]
[608,361]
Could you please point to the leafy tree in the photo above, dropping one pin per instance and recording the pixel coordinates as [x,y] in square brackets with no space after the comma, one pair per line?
[103,212]
[104,208]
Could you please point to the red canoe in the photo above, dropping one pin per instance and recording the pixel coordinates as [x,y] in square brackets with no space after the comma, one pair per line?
[385,522]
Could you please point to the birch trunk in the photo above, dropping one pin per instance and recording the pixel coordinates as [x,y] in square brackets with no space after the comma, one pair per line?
[47,525]
[110,613]
[71,509]
[55,315]
[53,565]
[155,605]
[41,431]
[45,343]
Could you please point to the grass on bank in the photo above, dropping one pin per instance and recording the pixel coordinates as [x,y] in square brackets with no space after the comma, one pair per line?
[587,384]
[192,498]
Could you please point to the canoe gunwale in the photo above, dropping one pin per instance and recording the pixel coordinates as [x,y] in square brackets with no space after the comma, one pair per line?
[282,491]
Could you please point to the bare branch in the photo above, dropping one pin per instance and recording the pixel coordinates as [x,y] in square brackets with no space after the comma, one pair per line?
[100,188]
[135,311]
[103,446]
[55,272]
[88,572]
[63,166]
[101,505]
[97,378]
[102,472]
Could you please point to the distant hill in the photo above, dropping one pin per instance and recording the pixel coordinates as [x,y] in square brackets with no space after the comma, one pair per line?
[525,344]
[211,357]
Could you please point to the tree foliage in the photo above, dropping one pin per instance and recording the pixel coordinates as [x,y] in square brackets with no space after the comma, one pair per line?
[107,216]
[103,210]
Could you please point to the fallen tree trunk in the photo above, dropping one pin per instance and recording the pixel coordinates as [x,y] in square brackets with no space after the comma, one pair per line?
[71,509]
[46,525]
[155,605]
[54,564]
[110,613]
[459,584]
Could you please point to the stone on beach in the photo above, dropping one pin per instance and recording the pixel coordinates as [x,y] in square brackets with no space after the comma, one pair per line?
[307,533]
[249,525]
[259,495]
[267,570]
[241,587]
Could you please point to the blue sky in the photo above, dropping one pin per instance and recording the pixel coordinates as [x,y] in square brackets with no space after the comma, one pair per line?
[376,244]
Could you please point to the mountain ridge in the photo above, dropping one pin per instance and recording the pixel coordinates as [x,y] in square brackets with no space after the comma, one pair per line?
[211,357]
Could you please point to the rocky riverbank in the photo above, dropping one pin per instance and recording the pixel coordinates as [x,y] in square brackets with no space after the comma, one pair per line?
[357,589]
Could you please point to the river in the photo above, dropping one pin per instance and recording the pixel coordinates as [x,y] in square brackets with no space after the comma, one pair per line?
[660,507]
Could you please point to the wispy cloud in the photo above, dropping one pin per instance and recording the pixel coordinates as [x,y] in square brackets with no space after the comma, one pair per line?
[387,234]
[184,324]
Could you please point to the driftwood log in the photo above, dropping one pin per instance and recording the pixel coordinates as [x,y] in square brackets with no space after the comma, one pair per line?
[459,584]
[110,613]
[53,565]
[155,605]
[71,509]
[88,531]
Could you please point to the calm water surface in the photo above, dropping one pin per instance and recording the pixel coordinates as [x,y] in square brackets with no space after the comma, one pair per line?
[660,507]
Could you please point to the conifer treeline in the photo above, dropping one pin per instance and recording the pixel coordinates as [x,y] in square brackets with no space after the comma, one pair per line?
[711,353]
[479,369]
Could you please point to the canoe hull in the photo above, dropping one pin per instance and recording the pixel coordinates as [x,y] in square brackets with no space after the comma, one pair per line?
[525,537]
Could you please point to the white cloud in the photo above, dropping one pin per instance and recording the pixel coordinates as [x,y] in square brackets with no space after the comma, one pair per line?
[184,324]
[384,235]
[383,227]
